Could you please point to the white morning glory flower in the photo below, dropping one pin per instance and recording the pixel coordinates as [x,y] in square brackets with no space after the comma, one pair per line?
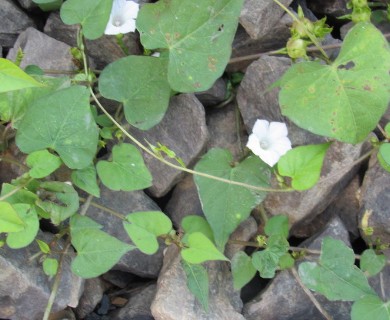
[122,17]
[269,141]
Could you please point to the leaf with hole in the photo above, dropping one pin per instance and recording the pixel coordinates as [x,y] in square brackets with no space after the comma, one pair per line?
[126,171]
[197,282]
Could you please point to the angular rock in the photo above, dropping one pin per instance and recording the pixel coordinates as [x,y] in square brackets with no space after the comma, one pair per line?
[183,130]
[124,203]
[27,4]
[302,207]
[13,22]
[334,8]
[25,289]
[43,51]
[103,50]
[173,300]
[257,101]
[215,95]
[93,293]
[138,306]
[118,278]
[259,17]
[285,291]
[375,199]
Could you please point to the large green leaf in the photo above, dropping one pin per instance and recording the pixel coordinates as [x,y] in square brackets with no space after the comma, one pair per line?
[346,99]
[242,269]
[197,282]
[198,35]
[335,275]
[14,78]
[226,205]
[370,308]
[140,83]
[63,122]
[97,251]
[144,228]
[93,15]
[126,171]
[9,218]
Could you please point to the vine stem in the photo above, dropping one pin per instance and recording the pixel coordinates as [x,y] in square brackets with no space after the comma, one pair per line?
[310,294]
[96,205]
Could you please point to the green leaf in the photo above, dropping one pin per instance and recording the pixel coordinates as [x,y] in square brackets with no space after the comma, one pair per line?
[48,5]
[384,156]
[43,246]
[63,122]
[9,218]
[144,228]
[21,196]
[242,269]
[42,163]
[192,223]
[126,171]
[332,100]
[140,83]
[277,226]
[197,282]
[198,35]
[370,307]
[226,205]
[64,204]
[200,249]
[13,78]
[303,165]
[372,263]
[50,266]
[335,275]
[97,251]
[267,261]
[286,261]
[23,238]
[93,15]
[85,179]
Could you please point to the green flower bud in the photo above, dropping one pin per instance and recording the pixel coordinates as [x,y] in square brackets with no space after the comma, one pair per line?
[296,48]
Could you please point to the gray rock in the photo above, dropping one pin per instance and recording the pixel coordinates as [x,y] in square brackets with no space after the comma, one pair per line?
[103,50]
[257,101]
[138,306]
[43,51]
[338,170]
[93,293]
[27,4]
[334,8]
[25,289]
[285,291]
[173,300]
[183,130]
[215,95]
[184,201]
[119,278]
[124,203]
[13,22]
[375,199]
[259,17]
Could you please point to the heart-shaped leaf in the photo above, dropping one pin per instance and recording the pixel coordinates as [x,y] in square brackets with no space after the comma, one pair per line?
[277,226]
[197,282]
[42,163]
[144,228]
[126,171]
[198,35]
[9,219]
[200,249]
[242,269]
[384,156]
[372,263]
[63,122]
[86,179]
[225,205]
[346,99]
[192,223]
[140,83]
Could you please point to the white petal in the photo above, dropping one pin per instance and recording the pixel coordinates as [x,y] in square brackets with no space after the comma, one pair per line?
[125,12]
[281,146]
[277,130]
[254,144]
[260,129]
[111,29]
[129,26]
[131,10]
[270,157]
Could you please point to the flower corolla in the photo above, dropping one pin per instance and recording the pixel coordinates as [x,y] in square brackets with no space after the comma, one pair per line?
[269,141]
[122,17]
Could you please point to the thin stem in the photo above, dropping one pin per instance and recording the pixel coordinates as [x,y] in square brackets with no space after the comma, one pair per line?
[382,131]
[310,294]
[110,211]
[86,205]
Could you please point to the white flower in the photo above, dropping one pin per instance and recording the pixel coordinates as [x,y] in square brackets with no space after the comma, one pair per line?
[122,17]
[269,141]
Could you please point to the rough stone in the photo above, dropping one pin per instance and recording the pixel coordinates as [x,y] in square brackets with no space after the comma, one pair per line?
[338,170]
[334,8]
[375,199]
[118,278]
[93,293]
[25,289]
[183,130]
[259,17]
[285,291]
[215,95]
[173,300]
[43,51]
[103,50]
[13,22]
[27,4]
[124,203]
[138,306]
